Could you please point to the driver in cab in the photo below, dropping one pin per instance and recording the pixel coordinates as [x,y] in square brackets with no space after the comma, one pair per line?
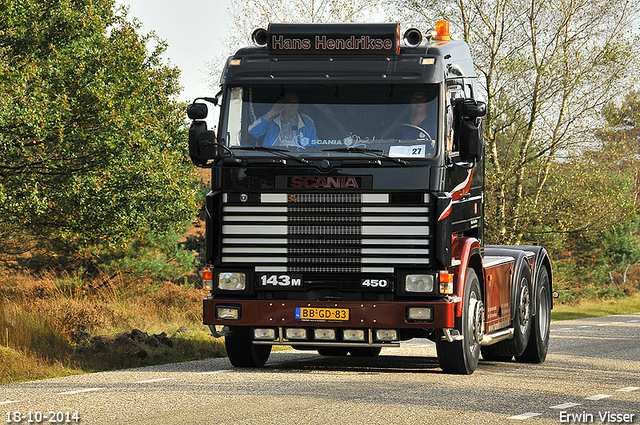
[421,123]
[283,125]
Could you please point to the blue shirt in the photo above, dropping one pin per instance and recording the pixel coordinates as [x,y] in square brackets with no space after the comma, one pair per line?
[305,130]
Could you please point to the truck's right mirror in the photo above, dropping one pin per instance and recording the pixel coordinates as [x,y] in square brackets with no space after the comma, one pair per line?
[202,145]
[202,141]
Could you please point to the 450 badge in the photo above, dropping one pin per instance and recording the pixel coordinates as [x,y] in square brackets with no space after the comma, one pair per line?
[374,283]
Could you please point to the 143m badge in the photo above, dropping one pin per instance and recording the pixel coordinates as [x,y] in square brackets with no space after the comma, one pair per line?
[282,281]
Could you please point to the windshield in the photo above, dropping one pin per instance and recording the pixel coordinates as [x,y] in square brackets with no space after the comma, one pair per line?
[399,121]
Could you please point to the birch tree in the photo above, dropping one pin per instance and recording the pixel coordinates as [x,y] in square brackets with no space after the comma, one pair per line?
[547,68]
[247,15]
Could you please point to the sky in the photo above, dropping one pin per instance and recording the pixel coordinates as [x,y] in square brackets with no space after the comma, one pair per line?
[194,31]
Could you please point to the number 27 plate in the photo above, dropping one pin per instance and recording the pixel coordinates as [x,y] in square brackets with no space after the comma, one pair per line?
[322,314]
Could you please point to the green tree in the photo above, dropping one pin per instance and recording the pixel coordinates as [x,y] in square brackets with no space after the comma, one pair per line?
[547,67]
[594,200]
[92,147]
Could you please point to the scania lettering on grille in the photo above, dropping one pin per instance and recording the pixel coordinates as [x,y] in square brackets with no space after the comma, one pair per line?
[324,182]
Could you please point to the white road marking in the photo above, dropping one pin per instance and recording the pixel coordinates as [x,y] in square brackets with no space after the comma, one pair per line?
[565,405]
[628,389]
[86,390]
[215,371]
[585,326]
[9,402]
[148,381]
[525,416]
[564,329]
[597,397]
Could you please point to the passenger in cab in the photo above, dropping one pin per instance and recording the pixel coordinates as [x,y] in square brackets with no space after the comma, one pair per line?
[283,125]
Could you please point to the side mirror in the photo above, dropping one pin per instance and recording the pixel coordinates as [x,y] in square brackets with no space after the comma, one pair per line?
[473,108]
[471,142]
[469,128]
[202,143]
[197,111]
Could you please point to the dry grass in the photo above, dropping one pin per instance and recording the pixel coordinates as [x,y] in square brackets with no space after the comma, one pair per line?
[40,314]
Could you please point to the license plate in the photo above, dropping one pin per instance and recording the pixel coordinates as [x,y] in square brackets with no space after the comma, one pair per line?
[322,314]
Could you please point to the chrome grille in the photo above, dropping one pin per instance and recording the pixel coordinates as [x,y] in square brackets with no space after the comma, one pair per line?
[325,233]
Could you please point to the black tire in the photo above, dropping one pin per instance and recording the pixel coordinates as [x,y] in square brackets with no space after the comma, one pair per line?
[522,318]
[536,351]
[333,351]
[461,357]
[241,350]
[365,351]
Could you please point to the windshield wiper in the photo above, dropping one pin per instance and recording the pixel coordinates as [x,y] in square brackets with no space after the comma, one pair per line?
[279,151]
[375,152]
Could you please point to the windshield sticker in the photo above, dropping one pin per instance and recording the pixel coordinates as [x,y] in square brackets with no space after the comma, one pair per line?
[419,151]
[352,141]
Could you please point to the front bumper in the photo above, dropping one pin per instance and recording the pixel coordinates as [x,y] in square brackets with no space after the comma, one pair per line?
[387,314]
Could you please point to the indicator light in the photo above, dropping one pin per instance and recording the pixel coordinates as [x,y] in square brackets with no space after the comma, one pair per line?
[446,283]
[207,280]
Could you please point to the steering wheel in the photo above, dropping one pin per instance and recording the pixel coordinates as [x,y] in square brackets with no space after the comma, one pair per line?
[415,127]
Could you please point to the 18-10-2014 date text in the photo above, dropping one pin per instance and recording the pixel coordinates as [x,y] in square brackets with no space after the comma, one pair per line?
[38,417]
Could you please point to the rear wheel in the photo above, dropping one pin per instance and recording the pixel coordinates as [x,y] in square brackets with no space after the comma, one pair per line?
[461,356]
[536,351]
[241,350]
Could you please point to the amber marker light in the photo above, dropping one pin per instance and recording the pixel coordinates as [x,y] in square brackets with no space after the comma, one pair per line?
[442,30]
[207,280]
[446,283]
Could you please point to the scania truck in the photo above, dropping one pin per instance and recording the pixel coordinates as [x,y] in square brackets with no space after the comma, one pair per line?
[346,210]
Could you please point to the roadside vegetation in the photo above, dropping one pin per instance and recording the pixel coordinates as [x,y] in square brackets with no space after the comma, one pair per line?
[58,324]
[100,208]
[596,307]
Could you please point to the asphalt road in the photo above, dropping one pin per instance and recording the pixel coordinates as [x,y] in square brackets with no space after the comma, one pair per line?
[592,375]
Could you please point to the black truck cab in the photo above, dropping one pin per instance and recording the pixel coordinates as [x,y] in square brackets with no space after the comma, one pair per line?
[346,210]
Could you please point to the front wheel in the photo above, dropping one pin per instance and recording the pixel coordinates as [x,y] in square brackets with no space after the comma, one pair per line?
[461,356]
[241,350]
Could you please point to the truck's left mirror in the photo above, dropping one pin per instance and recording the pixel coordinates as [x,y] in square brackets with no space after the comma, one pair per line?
[474,109]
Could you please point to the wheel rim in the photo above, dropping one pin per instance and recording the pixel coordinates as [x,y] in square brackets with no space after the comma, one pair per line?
[524,309]
[476,320]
